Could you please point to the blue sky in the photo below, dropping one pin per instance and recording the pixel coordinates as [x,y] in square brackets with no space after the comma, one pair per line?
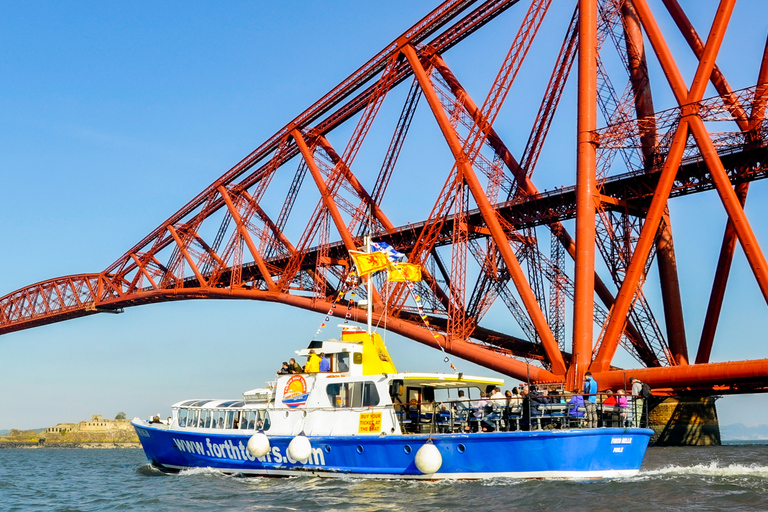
[115,115]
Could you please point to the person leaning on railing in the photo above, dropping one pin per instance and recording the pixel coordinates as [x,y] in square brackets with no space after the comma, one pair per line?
[640,393]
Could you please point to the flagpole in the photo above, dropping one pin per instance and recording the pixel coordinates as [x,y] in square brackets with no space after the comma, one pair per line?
[370,288]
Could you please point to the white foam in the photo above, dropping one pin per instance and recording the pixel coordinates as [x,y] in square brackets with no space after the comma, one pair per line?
[201,471]
[711,469]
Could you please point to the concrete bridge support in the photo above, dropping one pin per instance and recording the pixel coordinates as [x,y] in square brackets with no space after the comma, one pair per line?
[684,421]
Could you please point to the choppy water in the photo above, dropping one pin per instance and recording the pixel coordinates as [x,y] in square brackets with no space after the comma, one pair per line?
[732,478]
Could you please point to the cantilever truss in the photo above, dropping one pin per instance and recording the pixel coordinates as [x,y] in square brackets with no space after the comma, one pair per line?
[278,226]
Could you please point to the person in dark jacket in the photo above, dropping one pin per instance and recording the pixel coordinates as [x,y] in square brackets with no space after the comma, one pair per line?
[295,367]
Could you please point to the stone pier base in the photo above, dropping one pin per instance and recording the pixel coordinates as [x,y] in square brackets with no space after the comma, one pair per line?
[684,421]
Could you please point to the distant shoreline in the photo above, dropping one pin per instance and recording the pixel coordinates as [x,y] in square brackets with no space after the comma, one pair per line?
[69,446]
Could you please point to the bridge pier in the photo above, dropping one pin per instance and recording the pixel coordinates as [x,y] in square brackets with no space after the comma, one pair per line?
[684,421]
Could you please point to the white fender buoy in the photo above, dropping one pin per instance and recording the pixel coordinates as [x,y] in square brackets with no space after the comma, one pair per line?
[258,444]
[300,448]
[428,458]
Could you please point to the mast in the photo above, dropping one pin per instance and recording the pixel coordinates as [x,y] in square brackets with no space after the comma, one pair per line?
[370,288]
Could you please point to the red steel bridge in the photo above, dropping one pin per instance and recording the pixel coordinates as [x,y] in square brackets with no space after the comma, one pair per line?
[567,270]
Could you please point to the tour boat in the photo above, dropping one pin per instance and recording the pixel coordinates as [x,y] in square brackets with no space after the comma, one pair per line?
[364,419]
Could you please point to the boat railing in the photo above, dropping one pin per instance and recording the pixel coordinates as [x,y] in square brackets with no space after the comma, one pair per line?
[536,412]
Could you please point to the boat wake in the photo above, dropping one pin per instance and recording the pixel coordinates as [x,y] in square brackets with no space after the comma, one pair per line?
[713,469]
[201,471]
[149,470]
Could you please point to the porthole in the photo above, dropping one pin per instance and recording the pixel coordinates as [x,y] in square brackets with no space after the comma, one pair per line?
[327,448]
[461,448]
[286,414]
[359,449]
[303,414]
[407,449]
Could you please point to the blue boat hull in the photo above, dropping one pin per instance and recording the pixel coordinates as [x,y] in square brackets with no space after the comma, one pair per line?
[576,453]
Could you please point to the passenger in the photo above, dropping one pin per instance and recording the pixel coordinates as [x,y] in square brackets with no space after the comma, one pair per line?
[313,363]
[443,420]
[156,419]
[284,369]
[638,399]
[623,405]
[517,398]
[461,404]
[575,405]
[325,363]
[608,399]
[480,410]
[555,397]
[590,400]
[481,405]
[497,398]
[235,423]
[294,367]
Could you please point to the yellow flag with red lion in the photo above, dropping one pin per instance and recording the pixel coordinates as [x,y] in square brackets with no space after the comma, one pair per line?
[369,262]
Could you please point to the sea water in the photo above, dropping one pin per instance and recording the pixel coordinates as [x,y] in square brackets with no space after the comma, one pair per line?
[732,478]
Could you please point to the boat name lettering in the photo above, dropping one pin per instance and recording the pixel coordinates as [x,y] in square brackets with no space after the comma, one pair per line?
[621,440]
[229,450]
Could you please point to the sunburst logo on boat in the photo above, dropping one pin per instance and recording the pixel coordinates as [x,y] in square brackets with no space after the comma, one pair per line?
[295,392]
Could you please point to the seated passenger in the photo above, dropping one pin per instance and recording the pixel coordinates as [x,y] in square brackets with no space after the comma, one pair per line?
[156,419]
[481,405]
[443,419]
[461,404]
[284,369]
[608,399]
[497,398]
[576,403]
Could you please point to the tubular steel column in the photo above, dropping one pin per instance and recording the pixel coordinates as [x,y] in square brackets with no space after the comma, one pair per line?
[489,215]
[584,279]
[665,249]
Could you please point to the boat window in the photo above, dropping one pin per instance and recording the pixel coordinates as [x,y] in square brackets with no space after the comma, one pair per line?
[182,417]
[246,417]
[218,419]
[342,362]
[370,394]
[192,420]
[264,418]
[201,402]
[229,419]
[352,394]
[205,418]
